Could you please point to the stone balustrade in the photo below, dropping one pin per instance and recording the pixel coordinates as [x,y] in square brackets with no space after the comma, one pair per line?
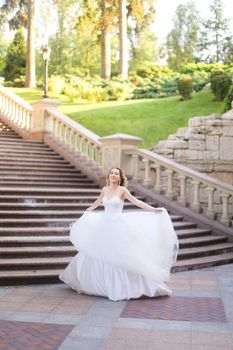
[15,109]
[177,182]
[192,189]
[79,139]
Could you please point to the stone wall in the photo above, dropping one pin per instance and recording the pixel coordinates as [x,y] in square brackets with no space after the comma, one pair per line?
[206,145]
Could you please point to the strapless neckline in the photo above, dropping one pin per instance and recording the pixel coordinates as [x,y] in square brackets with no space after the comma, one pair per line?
[109,199]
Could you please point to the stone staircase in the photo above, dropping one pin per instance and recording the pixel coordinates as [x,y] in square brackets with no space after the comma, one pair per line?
[41,194]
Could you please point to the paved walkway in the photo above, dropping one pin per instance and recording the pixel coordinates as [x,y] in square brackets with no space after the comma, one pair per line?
[199,316]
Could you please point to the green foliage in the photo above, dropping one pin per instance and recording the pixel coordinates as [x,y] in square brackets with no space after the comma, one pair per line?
[220,83]
[229,99]
[119,91]
[56,84]
[215,38]
[15,58]
[183,38]
[190,68]
[185,87]
[153,119]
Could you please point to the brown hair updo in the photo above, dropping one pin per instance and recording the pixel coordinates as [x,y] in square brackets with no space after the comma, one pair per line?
[122,180]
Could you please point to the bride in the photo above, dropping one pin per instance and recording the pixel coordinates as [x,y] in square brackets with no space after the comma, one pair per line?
[121,255]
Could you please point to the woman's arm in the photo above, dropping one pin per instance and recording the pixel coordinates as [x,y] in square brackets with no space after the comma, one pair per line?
[97,202]
[139,203]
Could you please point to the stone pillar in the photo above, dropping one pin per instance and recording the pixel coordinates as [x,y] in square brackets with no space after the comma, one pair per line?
[39,124]
[113,152]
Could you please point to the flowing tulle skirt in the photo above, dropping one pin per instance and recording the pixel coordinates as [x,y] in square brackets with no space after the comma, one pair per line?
[122,255]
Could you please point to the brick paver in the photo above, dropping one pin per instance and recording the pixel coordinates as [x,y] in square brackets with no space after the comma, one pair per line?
[177,308]
[32,336]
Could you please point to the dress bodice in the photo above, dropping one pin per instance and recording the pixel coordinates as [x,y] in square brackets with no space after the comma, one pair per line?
[113,205]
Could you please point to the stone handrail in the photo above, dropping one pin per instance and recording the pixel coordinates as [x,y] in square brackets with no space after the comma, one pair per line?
[190,188]
[187,186]
[79,139]
[15,109]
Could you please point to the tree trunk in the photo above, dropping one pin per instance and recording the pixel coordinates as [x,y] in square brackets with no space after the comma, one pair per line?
[105,44]
[123,63]
[30,58]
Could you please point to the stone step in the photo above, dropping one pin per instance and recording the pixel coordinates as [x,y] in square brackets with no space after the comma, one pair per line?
[34,200]
[28,177]
[201,241]
[43,176]
[205,250]
[34,231]
[194,232]
[38,241]
[51,166]
[7,152]
[29,183]
[20,277]
[47,190]
[34,169]
[32,158]
[56,206]
[36,252]
[203,262]
[15,214]
[18,144]
[56,222]
[39,172]
[34,263]
[6,135]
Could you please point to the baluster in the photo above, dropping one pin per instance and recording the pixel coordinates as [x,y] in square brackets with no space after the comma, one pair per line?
[136,175]
[86,149]
[146,181]
[158,186]
[210,208]
[196,200]
[182,197]
[225,210]
[169,192]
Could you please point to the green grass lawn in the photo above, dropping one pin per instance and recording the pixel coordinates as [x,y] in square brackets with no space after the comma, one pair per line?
[150,119]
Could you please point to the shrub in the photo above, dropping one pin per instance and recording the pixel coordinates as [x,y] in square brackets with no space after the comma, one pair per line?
[220,83]
[200,80]
[96,94]
[71,92]
[229,99]
[56,84]
[119,91]
[185,87]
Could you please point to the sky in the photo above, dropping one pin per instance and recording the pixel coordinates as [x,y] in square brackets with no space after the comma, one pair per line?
[166,10]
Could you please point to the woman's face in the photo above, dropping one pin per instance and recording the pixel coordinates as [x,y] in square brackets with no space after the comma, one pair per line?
[114,176]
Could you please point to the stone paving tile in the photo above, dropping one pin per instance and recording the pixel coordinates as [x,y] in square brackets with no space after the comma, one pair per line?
[138,339]
[212,339]
[62,319]
[27,316]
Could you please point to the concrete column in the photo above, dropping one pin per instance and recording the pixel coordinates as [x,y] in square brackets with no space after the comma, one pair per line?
[39,123]
[114,153]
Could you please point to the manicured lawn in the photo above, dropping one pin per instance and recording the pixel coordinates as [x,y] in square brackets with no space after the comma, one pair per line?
[150,119]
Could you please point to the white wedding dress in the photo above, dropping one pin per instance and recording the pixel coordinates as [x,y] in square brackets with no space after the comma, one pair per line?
[121,255]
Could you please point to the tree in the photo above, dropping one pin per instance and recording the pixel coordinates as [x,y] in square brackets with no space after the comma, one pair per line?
[182,41]
[123,62]
[15,58]
[18,14]
[30,80]
[108,15]
[215,34]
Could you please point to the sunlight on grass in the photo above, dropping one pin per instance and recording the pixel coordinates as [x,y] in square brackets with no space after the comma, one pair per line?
[150,119]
